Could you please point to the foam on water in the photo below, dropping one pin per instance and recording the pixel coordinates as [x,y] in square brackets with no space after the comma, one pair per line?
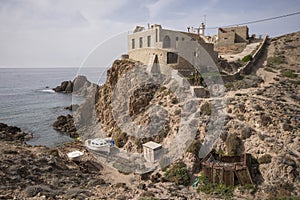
[48,90]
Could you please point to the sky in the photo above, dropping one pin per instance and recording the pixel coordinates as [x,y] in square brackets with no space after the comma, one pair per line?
[72,33]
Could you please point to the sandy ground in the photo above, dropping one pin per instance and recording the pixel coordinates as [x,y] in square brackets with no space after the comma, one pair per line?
[233,57]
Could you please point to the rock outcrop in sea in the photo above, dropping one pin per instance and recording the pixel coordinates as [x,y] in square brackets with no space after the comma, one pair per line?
[79,86]
[65,124]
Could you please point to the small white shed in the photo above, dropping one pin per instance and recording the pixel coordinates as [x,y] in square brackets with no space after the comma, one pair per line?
[152,151]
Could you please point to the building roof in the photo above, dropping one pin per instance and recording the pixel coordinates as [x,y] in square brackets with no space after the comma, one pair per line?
[152,145]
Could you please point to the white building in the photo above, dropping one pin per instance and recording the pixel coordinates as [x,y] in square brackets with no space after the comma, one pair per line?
[152,151]
[175,49]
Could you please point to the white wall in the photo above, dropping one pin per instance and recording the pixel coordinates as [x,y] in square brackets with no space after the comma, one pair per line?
[184,46]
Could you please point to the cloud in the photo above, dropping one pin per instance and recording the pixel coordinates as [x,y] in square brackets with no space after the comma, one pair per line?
[39,33]
[48,33]
[160,8]
[47,14]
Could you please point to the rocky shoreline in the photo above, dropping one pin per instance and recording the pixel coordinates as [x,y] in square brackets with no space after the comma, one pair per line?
[13,133]
[80,86]
[65,125]
[43,172]
[39,172]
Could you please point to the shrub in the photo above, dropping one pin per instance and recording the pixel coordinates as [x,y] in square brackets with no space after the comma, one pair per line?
[204,185]
[258,107]
[147,195]
[287,40]
[229,85]
[252,189]
[246,132]
[209,188]
[223,190]
[276,60]
[265,119]
[196,79]
[233,143]
[240,117]
[205,108]
[120,138]
[242,107]
[289,73]
[194,148]
[286,126]
[162,89]
[178,174]
[267,158]
[247,58]
[282,191]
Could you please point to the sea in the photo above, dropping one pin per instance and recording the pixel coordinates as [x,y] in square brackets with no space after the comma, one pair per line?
[28,101]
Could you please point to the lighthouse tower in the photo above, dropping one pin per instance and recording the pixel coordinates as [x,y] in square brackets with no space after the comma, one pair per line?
[201,29]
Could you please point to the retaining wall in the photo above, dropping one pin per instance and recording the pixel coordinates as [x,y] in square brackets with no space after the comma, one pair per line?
[247,68]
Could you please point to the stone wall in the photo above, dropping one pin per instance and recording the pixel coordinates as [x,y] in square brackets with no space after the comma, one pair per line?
[232,35]
[247,69]
[225,38]
[146,56]
[199,91]
[256,56]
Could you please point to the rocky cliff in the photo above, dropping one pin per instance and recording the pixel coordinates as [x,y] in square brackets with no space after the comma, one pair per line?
[79,86]
[262,119]
[139,102]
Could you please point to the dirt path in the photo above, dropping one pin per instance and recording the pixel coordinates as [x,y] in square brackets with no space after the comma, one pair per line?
[112,176]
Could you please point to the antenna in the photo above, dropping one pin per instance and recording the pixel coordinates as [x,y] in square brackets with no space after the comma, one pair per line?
[204,16]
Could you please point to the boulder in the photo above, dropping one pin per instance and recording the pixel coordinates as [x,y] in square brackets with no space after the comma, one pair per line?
[65,124]
[62,87]
[78,86]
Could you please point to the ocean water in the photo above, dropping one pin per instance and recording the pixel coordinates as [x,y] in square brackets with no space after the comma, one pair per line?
[27,103]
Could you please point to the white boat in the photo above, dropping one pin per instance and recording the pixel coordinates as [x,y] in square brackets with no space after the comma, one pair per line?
[74,154]
[98,144]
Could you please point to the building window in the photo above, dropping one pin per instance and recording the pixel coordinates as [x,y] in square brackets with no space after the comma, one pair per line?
[156,35]
[172,58]
[141,42]
[132,43]
[149,41]
[167,42]
[182,39]
[177,38]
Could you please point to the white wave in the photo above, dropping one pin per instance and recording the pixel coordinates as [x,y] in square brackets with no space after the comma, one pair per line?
[48,90]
